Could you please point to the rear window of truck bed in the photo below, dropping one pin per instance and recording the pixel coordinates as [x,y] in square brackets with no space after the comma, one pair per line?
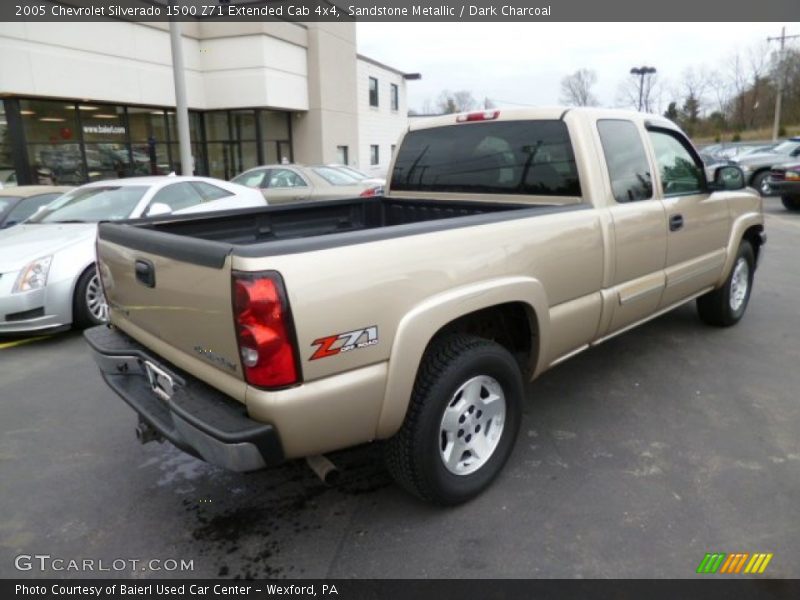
[500,157]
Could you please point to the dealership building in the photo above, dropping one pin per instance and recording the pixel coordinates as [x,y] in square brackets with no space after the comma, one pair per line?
[88,101]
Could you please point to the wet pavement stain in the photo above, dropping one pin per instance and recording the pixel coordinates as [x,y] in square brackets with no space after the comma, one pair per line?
[244,533]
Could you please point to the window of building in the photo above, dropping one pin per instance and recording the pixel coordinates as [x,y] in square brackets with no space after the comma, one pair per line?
[681,174]
[52,136]
[8,175]
[342,155]
[394,148]
[374,155]
[149,141]
[395,96]
[626,160]
[373,91]
[276,136]
[504,157]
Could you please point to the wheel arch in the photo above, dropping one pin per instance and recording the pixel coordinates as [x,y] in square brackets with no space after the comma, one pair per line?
[469,308]
[750,227]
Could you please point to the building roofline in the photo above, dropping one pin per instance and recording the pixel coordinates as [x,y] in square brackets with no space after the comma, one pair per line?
[372,61]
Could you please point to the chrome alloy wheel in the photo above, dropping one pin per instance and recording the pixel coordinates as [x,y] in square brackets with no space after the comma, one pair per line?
[472,425]
[740,280]
[95,301]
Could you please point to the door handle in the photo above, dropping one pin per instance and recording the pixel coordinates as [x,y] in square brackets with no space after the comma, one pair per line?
[675,222]
[145,273]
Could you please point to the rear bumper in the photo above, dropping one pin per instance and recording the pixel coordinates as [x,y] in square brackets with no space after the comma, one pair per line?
[196,418]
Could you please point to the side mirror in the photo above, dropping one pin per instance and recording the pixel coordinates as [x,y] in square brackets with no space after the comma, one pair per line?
[158,208]
[727,178]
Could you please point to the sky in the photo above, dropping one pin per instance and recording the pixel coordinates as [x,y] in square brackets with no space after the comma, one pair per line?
[523,63]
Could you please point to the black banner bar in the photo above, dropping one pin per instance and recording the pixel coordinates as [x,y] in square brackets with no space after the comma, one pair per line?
[400,10]
[705,588]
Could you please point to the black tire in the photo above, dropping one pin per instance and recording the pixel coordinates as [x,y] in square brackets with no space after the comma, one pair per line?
[413,455]
[82,316]
[760,184]
[715,307]
[791,202]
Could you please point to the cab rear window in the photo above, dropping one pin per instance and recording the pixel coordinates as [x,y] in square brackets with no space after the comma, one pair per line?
[505,157]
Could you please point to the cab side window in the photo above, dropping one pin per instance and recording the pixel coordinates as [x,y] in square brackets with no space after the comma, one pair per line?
[681,174]
[627,163]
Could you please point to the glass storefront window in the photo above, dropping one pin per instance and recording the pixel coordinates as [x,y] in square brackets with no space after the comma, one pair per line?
[72,142]
[217,126]
[103,124]
[244,125]
[56,164]
[146,123]
[53,122]
[150,158]
[107,161]
[8,176]
[274,124]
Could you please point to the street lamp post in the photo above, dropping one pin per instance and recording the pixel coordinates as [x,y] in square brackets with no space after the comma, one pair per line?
[642,72]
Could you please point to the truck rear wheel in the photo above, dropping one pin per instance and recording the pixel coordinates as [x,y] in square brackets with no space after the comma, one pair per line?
[462,420]
[725,306]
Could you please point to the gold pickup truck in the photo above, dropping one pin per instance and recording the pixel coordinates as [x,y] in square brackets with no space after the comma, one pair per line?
[507,242]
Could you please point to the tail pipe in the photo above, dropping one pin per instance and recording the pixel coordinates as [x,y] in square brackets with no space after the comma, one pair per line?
[323,468]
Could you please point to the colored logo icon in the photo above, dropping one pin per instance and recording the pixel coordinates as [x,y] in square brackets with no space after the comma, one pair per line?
[735,563]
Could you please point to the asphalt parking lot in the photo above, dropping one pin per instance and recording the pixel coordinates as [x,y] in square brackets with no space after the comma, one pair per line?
[634,460]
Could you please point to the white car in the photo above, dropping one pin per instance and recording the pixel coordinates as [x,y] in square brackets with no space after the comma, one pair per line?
[47,264]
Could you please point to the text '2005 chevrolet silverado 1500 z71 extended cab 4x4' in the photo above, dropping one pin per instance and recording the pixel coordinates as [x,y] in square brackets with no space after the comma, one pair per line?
[507,241]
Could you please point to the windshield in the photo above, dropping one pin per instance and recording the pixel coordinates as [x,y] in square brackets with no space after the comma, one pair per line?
[335,176]
[786,147]
[92,204]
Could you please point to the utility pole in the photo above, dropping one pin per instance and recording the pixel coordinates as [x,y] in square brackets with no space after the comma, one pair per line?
[642,72]
[181,107]
[776,125]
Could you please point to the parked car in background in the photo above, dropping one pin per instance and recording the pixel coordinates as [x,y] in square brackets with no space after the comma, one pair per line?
[47,264]
[784,180]
[359,175]
[756,166]
[8,178]
[282,184]
[712,162]
[21,202]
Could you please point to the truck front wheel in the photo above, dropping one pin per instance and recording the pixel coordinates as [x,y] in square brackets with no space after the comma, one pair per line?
[725,306]
[462,420]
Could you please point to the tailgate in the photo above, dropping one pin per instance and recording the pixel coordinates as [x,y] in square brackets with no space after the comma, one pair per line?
[172,293]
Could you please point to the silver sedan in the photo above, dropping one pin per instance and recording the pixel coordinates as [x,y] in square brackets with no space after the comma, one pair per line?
[47,264]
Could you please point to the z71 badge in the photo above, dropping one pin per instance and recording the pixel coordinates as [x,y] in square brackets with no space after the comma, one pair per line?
[345,342]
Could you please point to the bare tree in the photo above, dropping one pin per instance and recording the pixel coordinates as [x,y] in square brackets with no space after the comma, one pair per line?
[652,93]
[453,102]
[576,89]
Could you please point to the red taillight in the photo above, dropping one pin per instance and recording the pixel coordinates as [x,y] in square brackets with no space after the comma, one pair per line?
[484,115]
[263,329]
[371,192]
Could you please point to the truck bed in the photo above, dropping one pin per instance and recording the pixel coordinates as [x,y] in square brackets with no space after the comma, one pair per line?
[310,225]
